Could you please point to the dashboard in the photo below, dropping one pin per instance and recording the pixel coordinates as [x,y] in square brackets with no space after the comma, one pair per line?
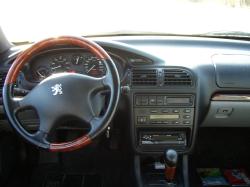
[172,86]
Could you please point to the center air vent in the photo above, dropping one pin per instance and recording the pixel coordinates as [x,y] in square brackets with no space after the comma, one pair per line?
[144,77]
[2,78]
[177,77]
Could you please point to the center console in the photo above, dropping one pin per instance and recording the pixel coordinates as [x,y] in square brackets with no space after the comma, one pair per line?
[163,120]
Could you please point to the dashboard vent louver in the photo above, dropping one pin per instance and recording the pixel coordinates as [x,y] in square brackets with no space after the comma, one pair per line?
[177,77]
[144,77]
[2,79]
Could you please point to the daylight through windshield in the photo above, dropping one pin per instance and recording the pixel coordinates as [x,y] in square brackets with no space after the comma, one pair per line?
[32,20]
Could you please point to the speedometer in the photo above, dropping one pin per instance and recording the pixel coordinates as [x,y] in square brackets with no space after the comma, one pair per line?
[94,67]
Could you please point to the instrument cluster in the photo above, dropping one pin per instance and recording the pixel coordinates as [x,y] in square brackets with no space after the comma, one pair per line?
[76,61]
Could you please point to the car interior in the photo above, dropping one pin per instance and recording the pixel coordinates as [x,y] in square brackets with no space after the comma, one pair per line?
[125,110]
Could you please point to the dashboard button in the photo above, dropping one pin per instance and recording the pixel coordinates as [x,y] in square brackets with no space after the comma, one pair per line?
[138,100]
[160,100]
[186,122]
[187,110]
[144,100]
[152,100]
[141,119]
[176,111]
[153,111]
[186,116]
[165,111]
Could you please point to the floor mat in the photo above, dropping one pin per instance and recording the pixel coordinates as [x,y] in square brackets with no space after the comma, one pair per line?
[72,180]
[58,177]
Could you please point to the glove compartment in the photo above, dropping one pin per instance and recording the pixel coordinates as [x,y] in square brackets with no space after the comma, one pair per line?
[228,111]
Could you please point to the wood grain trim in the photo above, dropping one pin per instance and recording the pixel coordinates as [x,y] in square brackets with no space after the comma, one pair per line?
[23,58]
[231,97]
[170,173]
[70,146]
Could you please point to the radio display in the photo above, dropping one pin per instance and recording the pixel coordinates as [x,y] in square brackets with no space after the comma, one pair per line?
[166,116]
[180,100]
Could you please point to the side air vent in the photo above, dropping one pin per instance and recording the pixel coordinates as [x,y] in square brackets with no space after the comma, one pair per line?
[144,77]
[177,77]
[2,78]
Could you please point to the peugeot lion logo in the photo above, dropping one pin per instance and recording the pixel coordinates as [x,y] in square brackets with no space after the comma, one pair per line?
[57,89]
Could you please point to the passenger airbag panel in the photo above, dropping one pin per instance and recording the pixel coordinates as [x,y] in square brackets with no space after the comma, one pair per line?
[232,71]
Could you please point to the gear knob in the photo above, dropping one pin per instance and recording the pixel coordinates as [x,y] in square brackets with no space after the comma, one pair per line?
[171,158]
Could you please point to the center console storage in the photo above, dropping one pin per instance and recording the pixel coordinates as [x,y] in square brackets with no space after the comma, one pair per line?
[151,171]
[163,121]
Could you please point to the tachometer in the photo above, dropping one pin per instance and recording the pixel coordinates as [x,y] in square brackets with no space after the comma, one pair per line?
[94,67]
[58,67]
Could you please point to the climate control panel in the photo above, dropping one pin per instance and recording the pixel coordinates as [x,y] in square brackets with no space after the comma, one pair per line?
[164,110]
[164,116]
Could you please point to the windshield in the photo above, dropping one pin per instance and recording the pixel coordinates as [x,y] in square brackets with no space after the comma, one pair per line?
[29,20]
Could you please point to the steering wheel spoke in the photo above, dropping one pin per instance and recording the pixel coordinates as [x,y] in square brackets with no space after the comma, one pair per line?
[41,136]
[20,103]
[46,124]
[107,81]
[96,124]
[100,84]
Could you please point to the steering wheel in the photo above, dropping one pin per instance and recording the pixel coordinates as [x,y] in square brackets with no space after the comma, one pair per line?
[62,95]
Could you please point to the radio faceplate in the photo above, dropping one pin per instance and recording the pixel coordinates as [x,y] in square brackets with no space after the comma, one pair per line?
[166,138]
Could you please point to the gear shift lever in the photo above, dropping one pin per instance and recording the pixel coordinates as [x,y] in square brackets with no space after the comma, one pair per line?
[171,158]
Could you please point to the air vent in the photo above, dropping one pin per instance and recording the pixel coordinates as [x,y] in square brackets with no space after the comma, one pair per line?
[144,77]
[177,77]
[2,78]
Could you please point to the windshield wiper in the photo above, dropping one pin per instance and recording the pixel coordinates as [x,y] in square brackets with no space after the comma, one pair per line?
[239,35]
[136,33]
[228,34]
[22,42]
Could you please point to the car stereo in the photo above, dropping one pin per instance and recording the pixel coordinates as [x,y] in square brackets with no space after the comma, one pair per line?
[163,138]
